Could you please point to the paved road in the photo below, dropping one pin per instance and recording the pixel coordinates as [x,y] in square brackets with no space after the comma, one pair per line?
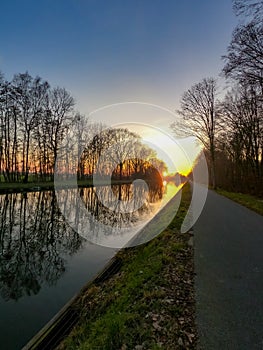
[229,276]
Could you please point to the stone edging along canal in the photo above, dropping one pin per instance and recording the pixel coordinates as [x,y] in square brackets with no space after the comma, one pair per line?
[61,324]
[49,337]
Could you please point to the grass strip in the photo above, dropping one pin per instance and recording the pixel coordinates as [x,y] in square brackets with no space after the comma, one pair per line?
[249,201]
[148,303]
[13,187]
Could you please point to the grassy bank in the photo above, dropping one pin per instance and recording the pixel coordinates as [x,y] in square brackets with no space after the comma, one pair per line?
[13,187]
[20,186]
[148,303]
[247,200]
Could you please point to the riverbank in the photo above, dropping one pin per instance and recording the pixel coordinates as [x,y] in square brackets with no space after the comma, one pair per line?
[18,187]
[251,202]
[148,303]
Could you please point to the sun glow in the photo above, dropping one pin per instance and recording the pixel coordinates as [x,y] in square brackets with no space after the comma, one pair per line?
[178,154]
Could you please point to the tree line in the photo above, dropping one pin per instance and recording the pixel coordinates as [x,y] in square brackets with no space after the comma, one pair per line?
[121,153]
[231,128]
[35,119]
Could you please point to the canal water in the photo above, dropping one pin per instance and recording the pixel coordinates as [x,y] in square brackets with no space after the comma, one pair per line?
[44,261]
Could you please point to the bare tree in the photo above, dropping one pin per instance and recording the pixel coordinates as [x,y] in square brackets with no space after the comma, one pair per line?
[244,61]
[29,97]
[37,121]
[242,117]
[249,9]
[199,116]
[58,118]
[119,152]
[119,145]
[243,106]
[1,122]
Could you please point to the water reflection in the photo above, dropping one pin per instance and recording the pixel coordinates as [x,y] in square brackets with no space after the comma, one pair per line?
[34,242]
[110,215]
[121,206]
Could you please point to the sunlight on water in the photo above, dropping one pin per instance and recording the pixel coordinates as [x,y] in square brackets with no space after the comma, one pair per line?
[44,261]
[113,223]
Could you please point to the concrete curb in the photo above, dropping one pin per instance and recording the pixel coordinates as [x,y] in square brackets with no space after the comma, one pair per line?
[61,324]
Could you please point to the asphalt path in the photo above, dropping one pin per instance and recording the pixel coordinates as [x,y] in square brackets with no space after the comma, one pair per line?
[228,242]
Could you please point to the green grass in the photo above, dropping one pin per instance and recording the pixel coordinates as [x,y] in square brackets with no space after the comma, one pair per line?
[149,302]
[20,186]
[247,200]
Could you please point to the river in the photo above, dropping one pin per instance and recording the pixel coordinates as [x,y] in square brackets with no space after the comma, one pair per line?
[44,262]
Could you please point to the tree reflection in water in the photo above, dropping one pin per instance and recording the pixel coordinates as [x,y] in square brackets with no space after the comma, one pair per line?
[122,215]
[120,218]
[34,243]
[35,239]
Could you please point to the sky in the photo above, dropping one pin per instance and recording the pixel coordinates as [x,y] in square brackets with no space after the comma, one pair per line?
[108,52]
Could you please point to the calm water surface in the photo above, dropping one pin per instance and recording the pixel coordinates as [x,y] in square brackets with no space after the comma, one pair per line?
[44,261]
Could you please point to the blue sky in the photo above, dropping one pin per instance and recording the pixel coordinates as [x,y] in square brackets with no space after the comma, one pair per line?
[110,51]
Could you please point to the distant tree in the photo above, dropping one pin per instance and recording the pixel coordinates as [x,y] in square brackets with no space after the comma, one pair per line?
[159,165]
[59,117]
[141,155]
[29,95]
[6,128]
[199,117]
[1,123]
[119,145]
[118,152]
